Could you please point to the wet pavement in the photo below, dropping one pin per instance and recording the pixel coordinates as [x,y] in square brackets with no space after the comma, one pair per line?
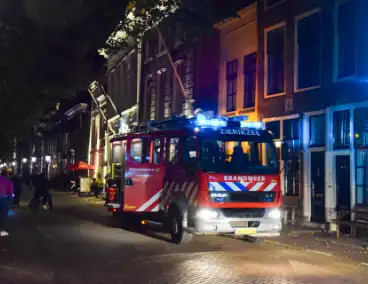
[80,243]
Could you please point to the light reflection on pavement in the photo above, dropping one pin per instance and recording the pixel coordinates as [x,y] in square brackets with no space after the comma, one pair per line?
[77,244]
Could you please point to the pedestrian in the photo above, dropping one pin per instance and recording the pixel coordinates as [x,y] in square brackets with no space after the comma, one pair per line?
[42,192]
[95,188]
[47,197]
[17,184]
[6,194]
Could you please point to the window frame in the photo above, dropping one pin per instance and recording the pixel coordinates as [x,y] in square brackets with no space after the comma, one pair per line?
[247,73]
[336,148]
[184,148]
[176,89]
[336,70]
[167,151]
[266,31]
[232,77]
[363,186]
[160,93]
[296,51]
[139,140]
[267,7]
[310,127]
[152,150]
[150,91]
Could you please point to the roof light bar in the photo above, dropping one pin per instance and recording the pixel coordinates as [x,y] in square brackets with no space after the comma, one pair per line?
[202,121]
[238,118]
[252,124]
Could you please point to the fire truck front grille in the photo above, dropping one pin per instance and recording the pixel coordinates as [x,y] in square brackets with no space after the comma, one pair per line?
[243,212]
[252,196]
[243,224]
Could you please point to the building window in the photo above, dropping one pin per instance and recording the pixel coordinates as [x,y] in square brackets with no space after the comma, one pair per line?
[292,164]
[151,95]
[291,129]
[361,143]
[361,128]
[161,44]
[341,130]
[308,51]
[362,177]
[317,131]
[274,128]
[272,3]
[345,39]
[250,80]
[231,85]
[178,96]
[163,106]
[150,48]
[275,61]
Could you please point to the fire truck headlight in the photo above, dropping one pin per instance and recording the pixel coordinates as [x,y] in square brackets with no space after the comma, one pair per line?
[274,214]
[207,214]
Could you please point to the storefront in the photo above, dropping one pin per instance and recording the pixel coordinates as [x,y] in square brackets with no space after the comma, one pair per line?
[347,160]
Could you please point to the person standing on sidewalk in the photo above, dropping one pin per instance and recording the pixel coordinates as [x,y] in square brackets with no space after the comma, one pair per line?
[6,194]
[47,197]
[17,184]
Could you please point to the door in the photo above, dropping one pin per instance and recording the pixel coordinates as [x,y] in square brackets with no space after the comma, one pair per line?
[143,179]
[343,183]
[318,186]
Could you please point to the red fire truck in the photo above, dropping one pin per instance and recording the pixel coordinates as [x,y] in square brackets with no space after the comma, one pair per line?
[203,175]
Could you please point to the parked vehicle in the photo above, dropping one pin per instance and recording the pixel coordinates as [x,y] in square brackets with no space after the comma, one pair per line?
[209,175]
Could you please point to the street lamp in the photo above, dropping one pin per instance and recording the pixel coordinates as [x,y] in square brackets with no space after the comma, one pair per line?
[24,160]
[33,159]
[14,163]
[48,159]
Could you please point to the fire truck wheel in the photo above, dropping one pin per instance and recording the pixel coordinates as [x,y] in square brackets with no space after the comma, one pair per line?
[178,234]
[253,240]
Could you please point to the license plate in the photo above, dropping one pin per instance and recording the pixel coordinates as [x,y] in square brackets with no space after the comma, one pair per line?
[245,231]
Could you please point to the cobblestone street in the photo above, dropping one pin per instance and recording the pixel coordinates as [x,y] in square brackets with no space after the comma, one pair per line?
[77,243]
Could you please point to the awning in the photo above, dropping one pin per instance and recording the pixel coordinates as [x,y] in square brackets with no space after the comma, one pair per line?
[79,166]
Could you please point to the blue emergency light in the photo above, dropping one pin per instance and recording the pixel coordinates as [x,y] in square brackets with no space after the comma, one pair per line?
[252,124]
[202,121]
[239,118]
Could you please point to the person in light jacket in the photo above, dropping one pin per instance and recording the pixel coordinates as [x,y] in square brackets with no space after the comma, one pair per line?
[6,195]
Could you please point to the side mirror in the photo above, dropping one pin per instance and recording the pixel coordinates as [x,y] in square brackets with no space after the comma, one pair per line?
[285,151]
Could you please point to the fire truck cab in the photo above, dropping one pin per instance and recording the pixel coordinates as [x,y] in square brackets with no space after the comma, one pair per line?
[203,175]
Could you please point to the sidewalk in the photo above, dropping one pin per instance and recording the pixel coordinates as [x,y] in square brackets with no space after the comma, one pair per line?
[90,199]
[317,241]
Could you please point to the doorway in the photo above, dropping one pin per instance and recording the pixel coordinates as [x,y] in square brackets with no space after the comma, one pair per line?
[343,183]
[318,187]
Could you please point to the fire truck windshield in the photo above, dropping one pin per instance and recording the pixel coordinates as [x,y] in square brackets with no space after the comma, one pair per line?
[238,156]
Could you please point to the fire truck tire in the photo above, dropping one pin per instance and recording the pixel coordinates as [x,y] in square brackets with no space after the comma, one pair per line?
[178,234]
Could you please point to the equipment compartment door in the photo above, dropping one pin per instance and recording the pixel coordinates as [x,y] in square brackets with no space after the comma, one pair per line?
[143,179]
